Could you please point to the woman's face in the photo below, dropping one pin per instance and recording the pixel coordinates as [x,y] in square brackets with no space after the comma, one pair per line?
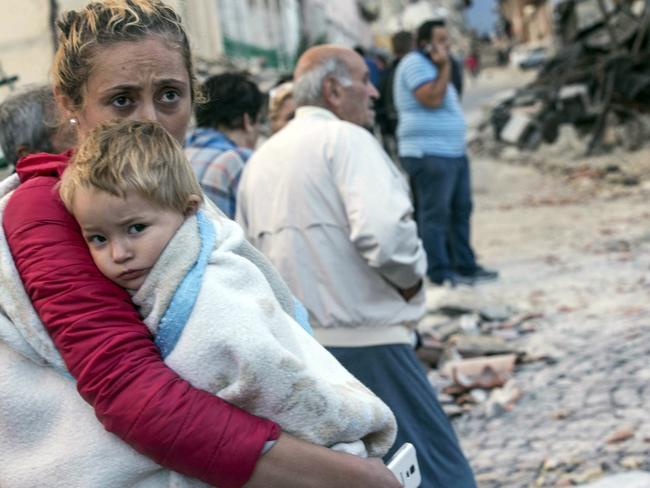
[285,113]
[141,80]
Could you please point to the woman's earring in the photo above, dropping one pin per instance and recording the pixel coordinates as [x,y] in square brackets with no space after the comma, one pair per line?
[73,121]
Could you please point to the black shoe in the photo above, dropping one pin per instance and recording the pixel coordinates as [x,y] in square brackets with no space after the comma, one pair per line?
[478,275]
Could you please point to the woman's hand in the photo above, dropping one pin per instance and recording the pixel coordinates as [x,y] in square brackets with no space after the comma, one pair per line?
[293,463]
[379,475]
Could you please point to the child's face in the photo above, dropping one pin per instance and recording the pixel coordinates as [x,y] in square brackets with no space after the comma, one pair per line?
[125,235]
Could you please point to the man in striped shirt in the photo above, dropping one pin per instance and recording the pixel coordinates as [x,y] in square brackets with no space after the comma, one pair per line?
[431,146]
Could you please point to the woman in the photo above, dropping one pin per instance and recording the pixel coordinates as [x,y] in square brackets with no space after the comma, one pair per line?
[281,106]
[131,59]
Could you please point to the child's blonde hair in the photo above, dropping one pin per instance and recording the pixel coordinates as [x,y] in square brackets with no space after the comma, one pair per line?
[132,156]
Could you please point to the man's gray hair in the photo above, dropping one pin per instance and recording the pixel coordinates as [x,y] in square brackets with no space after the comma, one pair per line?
[308,89]
[27,119]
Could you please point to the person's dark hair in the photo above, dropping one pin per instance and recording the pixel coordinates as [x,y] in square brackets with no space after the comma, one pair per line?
[425,30]
[360,51]
[228,97]
[402,43]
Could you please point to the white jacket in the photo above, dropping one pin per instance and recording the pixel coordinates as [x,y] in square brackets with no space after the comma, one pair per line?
[324,202]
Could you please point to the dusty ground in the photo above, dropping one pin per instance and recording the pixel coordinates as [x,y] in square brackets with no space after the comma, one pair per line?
[572,245]
[578,254]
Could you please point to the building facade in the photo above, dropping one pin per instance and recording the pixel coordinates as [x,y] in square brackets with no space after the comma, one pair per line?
[26,42]
[528,21]
[222,32]
[258,35]
[260,31]
[336,22]
[399,15]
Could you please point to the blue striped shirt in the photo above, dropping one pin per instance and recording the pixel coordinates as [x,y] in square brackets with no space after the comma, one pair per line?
[421,130]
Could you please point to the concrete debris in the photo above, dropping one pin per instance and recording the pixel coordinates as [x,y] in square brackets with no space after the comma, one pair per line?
[469,346]
[469,323]
[503,399]
[632,479]
[496,313]
[592,97]
[431,350]
[620,435]
[472,349]
[581,477]
[483,372]
[632,462]
[439,327]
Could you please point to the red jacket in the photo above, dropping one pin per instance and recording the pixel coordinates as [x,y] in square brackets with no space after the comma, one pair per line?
[110,352]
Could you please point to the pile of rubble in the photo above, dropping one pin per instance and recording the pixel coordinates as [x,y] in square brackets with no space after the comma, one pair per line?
[593,96]
[473,353]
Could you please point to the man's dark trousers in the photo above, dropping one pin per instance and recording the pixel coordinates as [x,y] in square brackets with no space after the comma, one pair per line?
[444,206]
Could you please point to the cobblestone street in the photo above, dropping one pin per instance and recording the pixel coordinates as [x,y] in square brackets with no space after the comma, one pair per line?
[578,255]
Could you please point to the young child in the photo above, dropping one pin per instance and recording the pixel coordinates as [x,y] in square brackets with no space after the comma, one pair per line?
[221,315]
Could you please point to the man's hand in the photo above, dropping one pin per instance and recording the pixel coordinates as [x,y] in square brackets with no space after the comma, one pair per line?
[439,54]
[409,293]
[432,94]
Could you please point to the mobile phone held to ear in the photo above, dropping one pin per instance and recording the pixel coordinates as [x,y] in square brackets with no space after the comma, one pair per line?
[404,465]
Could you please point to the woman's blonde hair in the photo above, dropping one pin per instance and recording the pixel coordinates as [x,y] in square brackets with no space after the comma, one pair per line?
[102,23]
[129,156]
[277,97]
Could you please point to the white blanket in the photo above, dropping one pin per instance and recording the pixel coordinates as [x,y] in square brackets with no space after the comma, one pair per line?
[241,344]
[49,437]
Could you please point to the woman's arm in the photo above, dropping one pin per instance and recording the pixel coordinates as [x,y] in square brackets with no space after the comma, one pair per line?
[110,352]
[293,463]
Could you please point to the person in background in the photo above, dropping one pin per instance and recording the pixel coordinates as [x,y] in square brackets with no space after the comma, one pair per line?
[374,70]
[431,146]
[282,107]
[123,59]
[29,124]
[472,63]
[402,44]
[228,125]
[324,202]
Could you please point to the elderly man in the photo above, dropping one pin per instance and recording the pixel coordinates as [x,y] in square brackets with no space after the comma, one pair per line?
[28,124]
[325,203]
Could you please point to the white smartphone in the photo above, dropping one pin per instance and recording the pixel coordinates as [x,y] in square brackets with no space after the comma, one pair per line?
[404,465]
